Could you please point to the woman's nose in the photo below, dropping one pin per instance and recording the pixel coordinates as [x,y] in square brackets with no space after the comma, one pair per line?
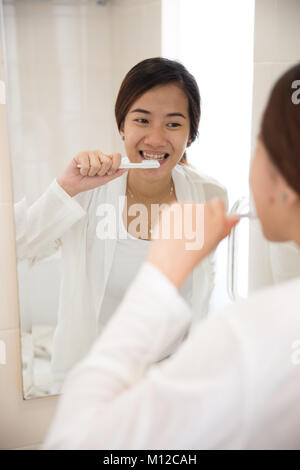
[155,137]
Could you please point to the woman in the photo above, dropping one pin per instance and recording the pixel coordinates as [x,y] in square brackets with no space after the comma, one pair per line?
[157,112]
[235,382]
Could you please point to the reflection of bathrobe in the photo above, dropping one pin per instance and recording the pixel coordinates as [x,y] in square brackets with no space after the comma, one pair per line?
[56,221]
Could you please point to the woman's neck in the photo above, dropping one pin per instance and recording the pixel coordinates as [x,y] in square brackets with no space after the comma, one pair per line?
[148,191]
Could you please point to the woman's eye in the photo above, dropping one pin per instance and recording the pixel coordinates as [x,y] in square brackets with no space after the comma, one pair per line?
[141,120]
[174,124]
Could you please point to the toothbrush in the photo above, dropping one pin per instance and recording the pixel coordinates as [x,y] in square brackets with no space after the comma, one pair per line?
[127,164]
[155,164]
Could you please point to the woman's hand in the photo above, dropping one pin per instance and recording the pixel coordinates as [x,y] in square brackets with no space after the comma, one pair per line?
[96,169]
[177,257]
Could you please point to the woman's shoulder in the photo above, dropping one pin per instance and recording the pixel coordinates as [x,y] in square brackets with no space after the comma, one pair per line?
[211,186]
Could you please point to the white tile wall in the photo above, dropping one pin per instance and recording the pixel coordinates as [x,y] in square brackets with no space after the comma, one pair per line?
[276,48]
[143,20]
[277,39]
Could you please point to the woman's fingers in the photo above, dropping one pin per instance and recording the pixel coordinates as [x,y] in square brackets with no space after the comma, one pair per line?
[202,226]
[83,159]
[105,163]
[224,222]
[116,162]
[96,163]
[229,224]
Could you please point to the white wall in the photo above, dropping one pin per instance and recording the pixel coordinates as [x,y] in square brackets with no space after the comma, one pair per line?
[63,102]
[214,40]
[277,39]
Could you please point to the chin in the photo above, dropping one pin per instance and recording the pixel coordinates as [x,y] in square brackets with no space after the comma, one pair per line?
[273,236]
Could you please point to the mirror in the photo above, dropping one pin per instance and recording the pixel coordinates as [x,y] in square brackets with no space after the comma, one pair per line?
[64,62]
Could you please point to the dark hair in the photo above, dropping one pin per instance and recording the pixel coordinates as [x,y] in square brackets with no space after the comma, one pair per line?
[153,72]
[280,126]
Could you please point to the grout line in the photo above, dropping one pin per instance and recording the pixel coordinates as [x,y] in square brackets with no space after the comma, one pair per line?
[10,329]
[29,447]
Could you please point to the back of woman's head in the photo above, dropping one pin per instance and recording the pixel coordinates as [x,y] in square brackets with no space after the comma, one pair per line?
[280,126]
[154,72]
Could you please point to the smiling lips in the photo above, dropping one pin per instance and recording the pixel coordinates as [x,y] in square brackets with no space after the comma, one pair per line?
[152,156]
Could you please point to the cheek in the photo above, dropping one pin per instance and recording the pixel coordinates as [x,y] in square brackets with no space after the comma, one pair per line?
[179,142]
[132,137]
[257,187]
[263,197]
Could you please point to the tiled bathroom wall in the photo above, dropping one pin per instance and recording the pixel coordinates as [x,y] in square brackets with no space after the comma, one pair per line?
[92,47]
[276,48]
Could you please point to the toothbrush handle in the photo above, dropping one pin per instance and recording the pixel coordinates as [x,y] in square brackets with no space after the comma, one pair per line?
[128,165]
[138,165]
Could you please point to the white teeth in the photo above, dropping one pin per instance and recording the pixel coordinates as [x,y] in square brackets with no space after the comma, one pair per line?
[153,157]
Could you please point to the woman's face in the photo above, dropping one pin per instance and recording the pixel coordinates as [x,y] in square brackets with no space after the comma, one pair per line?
[267,185]
[157,126]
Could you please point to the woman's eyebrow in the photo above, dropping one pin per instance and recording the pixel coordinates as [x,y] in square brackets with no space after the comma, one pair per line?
[139,110]
[176,114]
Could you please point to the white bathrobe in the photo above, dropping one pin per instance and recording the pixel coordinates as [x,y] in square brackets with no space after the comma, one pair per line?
[56,221]
[234,383]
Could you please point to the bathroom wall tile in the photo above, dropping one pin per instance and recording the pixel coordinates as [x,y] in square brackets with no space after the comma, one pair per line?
[23,422]
[53,38]
[95,34]
[277,32]
[287,37]
[265,76]
[136,31]
[96,89]
[9,317]
[136,35]
[265,31]
[5,173]
[37,9]
[262,79]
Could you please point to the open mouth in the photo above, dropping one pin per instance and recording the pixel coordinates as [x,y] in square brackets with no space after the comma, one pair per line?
[149,156]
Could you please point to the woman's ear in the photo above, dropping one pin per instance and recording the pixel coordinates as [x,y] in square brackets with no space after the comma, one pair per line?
[290,196]
[285,193]
[121,130]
